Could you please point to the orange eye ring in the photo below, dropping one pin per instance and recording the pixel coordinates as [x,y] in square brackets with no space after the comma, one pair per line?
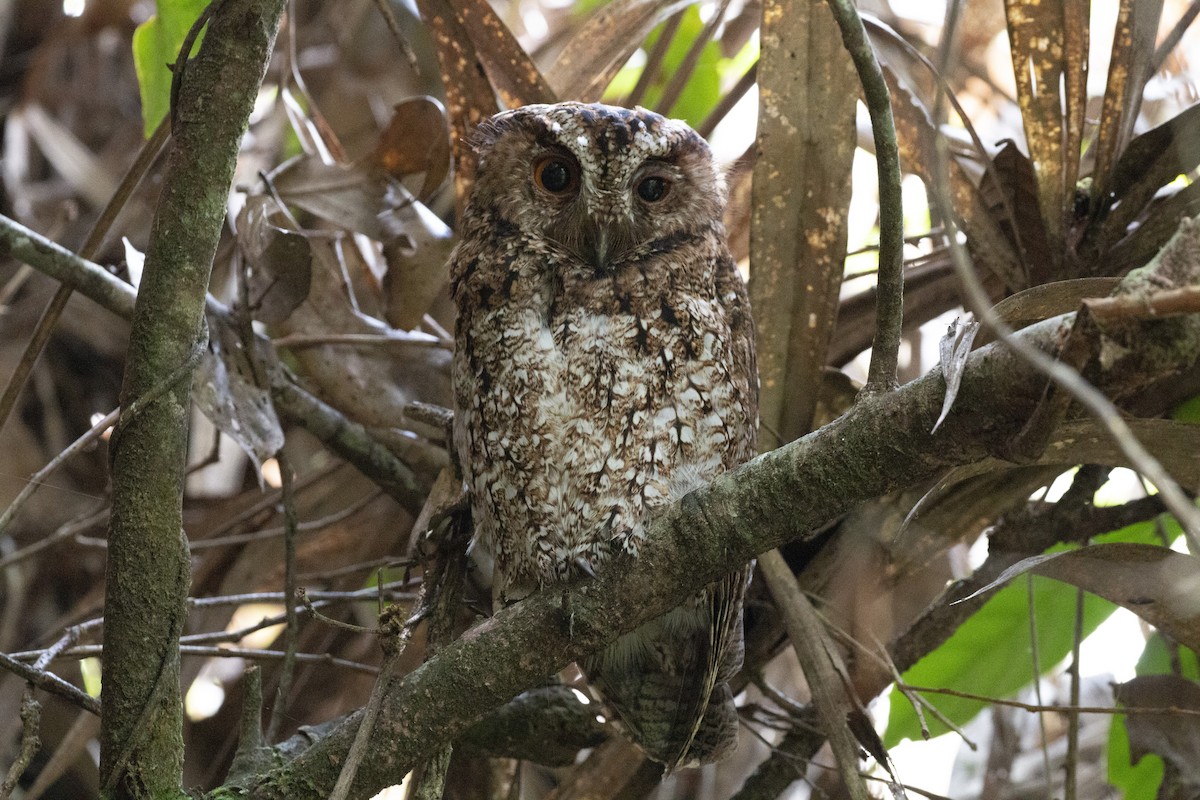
[556,175]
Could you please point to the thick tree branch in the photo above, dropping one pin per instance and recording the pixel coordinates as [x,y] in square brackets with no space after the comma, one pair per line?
[883,444]
[141,743]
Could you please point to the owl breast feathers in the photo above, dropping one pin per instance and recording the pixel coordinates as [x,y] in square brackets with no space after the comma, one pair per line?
[604,366]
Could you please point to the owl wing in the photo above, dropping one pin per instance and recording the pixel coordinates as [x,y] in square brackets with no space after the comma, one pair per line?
[673,693]
[715,730]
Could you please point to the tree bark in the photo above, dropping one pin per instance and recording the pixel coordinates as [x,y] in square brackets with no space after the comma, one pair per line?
[148,571]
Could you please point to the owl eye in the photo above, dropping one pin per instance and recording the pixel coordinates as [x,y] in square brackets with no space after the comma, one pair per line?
[653,188]
[556,175]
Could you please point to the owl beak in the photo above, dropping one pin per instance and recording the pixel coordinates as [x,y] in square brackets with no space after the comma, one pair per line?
[603,244]
[597,246]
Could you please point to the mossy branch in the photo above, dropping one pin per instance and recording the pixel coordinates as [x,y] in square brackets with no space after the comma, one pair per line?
[148,571]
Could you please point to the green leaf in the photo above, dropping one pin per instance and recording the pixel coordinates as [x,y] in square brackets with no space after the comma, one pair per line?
[1141,781]
[991,653]
[1187,411]
[156,44]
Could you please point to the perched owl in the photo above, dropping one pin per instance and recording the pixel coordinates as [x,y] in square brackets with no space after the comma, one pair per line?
[604,366]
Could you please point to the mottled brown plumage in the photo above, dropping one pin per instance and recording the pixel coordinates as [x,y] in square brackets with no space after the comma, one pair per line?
[604,366]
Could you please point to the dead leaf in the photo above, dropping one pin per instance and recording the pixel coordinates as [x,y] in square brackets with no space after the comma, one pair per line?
[1172,736]
[232,389]
[417,250]
[1158,584]
[1035,32]
[1010,193]
[1128,70]
[416,140]
[805,149]
[953,350]
[469,95]
[350,196]
[1151,161]
[990,248]
[1047,300]
[280,262]
[594,55]
[509,68]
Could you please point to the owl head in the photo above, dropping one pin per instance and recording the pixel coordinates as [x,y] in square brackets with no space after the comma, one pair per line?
[605,184]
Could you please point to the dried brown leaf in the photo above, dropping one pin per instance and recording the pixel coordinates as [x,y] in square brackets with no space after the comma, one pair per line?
[1010,193]
[1129,68]
[351,196]
[1047,300]
[372,385]
[1151,161]
[416,140]
[801,193]
[594,55]
[1158,584]
[232,389]
[1170,735]
[511,71]
[417,251]
[990,248]
[279,261]
[1036,42]
[469,95]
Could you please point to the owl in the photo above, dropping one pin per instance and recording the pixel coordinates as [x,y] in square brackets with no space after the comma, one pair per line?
[604,366]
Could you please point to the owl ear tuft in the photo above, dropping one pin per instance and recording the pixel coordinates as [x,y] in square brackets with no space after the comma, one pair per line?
[484,135]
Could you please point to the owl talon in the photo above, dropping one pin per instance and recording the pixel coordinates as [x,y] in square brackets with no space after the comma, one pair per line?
[586,568]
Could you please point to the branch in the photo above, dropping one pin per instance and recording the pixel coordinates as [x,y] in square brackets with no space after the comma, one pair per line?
[148,570]
[889,299]
[881,445]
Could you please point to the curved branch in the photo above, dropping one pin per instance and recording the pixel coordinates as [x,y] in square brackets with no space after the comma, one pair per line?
[889,301]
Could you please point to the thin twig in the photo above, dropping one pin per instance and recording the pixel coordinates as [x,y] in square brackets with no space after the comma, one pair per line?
[397,339]
[39,477]
[1035,657]
[1035,708]
[1069,778]
[1172,39]
[62,533]
[323,598]
[255,654]
[813,648]
[292,629]
[394,648]
[385,11]
[31,716]
[51,683]
[334,623]
[282,530]
[1167,303]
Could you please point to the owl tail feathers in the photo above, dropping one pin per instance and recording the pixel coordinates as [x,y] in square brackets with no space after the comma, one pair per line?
[663,715]
[668,680]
